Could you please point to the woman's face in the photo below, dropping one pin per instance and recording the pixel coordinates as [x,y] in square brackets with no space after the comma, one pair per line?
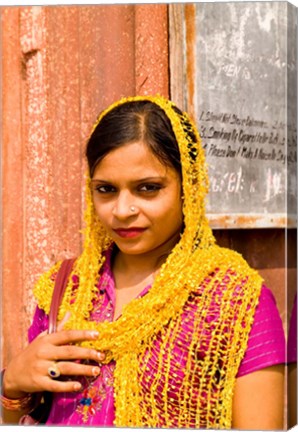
[132,178]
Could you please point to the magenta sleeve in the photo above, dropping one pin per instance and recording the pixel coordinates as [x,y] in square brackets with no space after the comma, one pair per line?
[266,344]
[292,337]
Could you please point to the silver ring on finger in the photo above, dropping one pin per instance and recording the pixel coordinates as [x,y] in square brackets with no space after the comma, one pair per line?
[54,371]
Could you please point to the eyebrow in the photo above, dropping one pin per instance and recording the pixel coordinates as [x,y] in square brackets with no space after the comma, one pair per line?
[142,180]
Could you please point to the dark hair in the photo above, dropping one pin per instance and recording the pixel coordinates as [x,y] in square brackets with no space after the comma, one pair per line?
[134,121]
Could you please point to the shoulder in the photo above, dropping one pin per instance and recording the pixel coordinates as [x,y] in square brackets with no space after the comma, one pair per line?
[231,273]
[267,314]
[266,343]
[234,265]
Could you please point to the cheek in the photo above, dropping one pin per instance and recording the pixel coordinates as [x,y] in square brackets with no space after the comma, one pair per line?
[171,208]
[178,215]
[102,210]
[177,211]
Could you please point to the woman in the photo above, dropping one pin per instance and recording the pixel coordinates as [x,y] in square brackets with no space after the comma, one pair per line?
[170,329]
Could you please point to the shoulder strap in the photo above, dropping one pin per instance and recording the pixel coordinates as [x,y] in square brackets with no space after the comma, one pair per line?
[59,288]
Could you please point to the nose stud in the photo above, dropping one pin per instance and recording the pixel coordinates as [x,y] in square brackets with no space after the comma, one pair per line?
[132,209]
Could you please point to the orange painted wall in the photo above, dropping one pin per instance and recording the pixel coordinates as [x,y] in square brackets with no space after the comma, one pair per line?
[61,65]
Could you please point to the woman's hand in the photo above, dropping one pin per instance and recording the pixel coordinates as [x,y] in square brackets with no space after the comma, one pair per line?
[28,372]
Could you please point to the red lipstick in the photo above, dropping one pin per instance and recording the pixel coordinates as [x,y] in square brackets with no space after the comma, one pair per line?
[129,232]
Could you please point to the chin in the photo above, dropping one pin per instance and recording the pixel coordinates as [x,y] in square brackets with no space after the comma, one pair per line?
[132,249]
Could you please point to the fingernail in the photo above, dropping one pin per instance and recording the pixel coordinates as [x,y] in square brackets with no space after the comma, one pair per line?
[100,356]
[77,386]
[94,334]
[95,371]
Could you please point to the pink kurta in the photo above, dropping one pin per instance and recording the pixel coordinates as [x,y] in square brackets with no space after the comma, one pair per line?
[94,406]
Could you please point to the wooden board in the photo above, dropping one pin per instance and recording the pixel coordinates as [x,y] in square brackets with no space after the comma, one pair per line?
[240,85]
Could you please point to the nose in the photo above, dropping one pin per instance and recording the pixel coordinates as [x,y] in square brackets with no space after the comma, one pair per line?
[124,206]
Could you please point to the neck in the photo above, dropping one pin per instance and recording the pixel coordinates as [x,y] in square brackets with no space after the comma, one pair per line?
[145,263]
[136,263]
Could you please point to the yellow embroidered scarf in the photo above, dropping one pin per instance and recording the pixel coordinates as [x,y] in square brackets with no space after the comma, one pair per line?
[194,260]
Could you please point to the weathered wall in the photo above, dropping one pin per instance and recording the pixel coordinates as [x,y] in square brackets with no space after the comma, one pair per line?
[61,65]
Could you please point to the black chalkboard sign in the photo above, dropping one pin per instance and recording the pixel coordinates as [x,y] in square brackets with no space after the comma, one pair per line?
[243,98]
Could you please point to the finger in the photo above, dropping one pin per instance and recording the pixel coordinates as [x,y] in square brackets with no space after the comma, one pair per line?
[75,369]
[63,321]
[72,352]
[65,337]
[55,386]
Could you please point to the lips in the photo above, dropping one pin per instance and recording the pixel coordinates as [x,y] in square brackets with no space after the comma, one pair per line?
[129,232]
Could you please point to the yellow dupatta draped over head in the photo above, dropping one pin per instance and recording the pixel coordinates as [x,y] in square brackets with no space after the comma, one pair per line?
[195,258]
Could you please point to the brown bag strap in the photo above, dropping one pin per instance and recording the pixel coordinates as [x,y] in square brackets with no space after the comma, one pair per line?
[59,288]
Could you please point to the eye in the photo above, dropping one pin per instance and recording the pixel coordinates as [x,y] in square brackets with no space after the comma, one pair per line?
[104,189]
[149,187]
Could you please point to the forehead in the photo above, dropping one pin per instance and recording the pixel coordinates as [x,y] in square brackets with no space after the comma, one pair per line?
[133,158]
